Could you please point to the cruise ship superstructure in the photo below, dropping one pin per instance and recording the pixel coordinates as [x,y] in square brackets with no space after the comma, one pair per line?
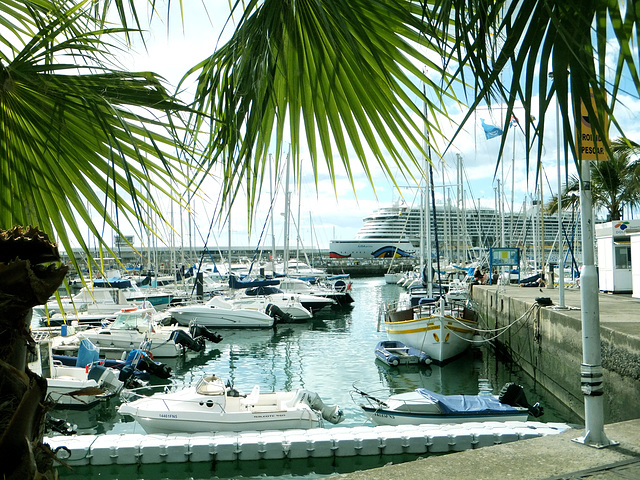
[463,235]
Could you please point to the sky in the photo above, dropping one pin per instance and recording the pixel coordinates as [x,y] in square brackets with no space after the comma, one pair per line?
[323,215]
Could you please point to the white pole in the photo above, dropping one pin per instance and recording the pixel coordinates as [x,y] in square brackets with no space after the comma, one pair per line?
[591,367]
[560,232]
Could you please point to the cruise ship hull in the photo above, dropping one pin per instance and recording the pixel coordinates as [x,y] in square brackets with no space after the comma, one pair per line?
[367,249]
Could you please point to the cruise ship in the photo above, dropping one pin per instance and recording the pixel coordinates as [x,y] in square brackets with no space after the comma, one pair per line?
[463,235]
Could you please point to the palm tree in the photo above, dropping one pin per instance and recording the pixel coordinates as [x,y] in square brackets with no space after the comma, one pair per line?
[614,183]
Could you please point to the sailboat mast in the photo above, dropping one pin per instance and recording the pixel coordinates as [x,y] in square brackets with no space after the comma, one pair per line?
[287,216]
[425,212]
[273,235]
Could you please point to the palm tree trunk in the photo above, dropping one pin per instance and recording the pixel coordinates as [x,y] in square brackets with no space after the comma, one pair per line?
[29,273]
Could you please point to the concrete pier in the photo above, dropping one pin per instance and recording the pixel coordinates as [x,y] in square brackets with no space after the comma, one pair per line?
[547,342]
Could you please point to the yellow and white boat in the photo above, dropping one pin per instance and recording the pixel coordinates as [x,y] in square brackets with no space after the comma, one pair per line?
[442,331]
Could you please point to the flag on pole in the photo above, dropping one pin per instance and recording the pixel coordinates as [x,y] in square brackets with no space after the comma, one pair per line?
[490,131]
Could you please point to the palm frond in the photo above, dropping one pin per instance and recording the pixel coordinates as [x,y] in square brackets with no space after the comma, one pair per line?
[344,77]
[81,143]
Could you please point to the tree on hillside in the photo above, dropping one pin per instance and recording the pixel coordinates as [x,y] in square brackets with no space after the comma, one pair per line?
[614,183]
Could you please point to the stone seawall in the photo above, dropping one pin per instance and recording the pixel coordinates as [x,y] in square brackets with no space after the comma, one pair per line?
[547,343]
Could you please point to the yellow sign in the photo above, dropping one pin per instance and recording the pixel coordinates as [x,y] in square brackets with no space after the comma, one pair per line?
[590,143]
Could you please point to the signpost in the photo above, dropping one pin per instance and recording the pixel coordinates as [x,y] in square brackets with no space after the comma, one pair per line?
[591,372]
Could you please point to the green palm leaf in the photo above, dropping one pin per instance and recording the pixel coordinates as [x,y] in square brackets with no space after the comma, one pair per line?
[81,143]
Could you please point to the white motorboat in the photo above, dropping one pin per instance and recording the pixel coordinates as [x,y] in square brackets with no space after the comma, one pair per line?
[286,307]
[213,406]
[95,301]
[79,387]
[424,406]
[441,331]
[338,291]
[129,330]
[221,313]
[277,296]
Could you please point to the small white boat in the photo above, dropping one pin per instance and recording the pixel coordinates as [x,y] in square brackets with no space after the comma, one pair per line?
[80,387]
[283,300]
[129,330]
[221,313]
[286,308]
[424,406]
[213,406]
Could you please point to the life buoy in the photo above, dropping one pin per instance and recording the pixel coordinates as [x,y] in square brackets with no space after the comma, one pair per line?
[129,309]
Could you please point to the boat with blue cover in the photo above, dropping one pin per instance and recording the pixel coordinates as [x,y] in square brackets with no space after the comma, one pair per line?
[424,406]
[395,353]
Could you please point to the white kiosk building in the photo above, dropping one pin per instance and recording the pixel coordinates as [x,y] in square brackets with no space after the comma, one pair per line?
[615,242]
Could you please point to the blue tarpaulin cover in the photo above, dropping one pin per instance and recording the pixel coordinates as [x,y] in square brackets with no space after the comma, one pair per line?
[87,353]
[466,403]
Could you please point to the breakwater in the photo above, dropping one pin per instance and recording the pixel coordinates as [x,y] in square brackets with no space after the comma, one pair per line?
[546,341]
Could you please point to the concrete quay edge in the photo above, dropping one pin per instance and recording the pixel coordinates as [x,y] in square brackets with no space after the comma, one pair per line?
[549,457]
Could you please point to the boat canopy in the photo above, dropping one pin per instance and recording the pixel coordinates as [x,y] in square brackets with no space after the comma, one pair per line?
[236,283]
[450,404]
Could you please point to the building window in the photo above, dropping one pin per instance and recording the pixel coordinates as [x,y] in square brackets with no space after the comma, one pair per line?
[623,257]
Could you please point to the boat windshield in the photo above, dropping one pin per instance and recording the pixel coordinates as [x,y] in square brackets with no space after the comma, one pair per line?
[210,385]
[136,320]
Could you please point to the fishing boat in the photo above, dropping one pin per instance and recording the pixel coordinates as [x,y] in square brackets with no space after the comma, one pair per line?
[443,331]
[424,406]
[215,406]
[397,353]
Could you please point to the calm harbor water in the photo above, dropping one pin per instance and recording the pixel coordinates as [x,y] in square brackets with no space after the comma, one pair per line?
[328,355]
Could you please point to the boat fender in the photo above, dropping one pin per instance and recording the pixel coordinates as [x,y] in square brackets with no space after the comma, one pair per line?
[513,394]
[425,359]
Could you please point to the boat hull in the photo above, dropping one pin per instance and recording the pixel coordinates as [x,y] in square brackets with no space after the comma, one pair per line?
[443,337]
[215,317]
[190,412]
[394,418]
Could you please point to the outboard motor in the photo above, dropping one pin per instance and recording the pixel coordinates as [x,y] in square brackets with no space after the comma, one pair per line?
[513,394]
[331,413]
[129,377]
[182,338]
[200,331]
[157,369]
[277,313]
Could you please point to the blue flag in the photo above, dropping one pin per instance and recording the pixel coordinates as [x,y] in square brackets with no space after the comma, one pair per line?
[491,131]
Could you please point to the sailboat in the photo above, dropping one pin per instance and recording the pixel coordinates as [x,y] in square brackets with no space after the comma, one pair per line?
[441,330]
